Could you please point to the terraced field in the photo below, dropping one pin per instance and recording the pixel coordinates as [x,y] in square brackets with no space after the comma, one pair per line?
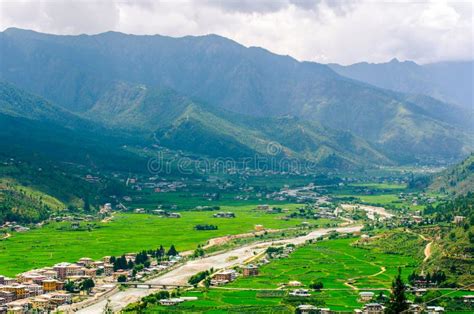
[336,263]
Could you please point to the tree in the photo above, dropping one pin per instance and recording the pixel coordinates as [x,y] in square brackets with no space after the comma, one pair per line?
[198,252]
[87,284]
[398,302]
[122,278]
[172,251]
[207,282]
[316,285]
[69,286]
[87,205]
[160,253]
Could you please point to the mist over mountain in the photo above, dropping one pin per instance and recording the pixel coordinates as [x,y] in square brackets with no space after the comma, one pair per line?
[185,88]
[450,81]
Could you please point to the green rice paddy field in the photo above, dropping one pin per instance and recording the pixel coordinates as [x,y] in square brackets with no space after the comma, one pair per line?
[56,242]
[334,262]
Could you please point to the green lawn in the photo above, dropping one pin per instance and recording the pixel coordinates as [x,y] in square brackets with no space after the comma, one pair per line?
[127,233]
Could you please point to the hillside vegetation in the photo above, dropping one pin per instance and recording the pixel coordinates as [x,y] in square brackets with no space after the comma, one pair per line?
[457,180]
[90,75]
[24,204]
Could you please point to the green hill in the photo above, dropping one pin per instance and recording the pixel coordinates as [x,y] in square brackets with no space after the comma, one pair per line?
[458,179]
[180,123]
[25,204]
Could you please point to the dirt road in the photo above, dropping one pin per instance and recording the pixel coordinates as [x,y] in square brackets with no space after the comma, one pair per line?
[180,275]
[427,251]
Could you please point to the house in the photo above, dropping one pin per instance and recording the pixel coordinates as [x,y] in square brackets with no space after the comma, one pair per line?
[7,296]
[259,228]
[19,291]
[373,308]
[61,270]
[170,302]
[174,215]
[366,296]
[468,298]
[250,270]
[108,269]
[74,270]
[50,285]
[85,261]
[224,276]
[434,310]
[415,309]
[459,219]
[417,219]
[59,298]
[40,304]
[34,289]
[307,309]
[294,283]
[263,207]
[224,215]
[90,272]
[300,293]
[420,291]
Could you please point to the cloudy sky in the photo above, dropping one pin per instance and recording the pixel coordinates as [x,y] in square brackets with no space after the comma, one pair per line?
[320,30]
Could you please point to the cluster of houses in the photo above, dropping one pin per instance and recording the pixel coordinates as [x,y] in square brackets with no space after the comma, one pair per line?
[228,275]
[416,198]
[43,290]
[368,308]
[160,212]
[13,226]
[152,183]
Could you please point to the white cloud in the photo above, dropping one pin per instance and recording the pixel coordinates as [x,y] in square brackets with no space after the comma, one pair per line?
[321,30]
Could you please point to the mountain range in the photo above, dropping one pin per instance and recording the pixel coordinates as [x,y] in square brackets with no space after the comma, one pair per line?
[212,96]
[450,82]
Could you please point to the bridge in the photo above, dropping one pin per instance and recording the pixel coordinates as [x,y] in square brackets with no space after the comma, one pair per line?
[147,285]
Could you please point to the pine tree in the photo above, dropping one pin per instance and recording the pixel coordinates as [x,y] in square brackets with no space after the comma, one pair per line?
[398,302]
[172,251]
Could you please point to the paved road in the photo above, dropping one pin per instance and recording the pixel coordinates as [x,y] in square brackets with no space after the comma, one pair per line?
[180,275]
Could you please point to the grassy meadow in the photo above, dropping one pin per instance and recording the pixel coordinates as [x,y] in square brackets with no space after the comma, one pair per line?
[56,242]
